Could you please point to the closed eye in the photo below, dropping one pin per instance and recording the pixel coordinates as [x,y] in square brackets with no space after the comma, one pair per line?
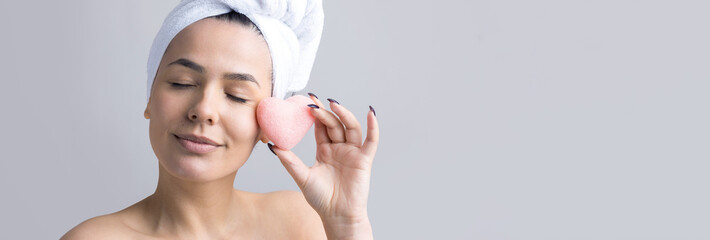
[236,99]
[181,86]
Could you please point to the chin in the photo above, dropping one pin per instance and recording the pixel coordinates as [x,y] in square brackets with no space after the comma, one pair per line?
[183,164]
[193,168]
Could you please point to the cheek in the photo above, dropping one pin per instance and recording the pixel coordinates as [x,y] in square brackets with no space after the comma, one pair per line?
[166,107]
[165,112]
[241,126]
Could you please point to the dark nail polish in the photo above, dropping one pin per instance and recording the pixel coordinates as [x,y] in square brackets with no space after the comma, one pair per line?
[333,100]
[313,106]
[373,111]
[311,94]
[271,145]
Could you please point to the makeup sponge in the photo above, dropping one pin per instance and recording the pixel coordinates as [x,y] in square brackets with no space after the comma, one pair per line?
[285,122]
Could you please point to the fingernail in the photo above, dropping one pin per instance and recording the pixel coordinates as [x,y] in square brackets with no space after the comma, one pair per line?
[333,100]
[373,111]
[313,106]
[272,150]
[312,95]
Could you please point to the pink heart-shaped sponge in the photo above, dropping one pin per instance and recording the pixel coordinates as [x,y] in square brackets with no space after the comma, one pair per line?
[285,122]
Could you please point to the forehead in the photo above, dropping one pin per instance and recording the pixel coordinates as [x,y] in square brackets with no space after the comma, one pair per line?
[222,46]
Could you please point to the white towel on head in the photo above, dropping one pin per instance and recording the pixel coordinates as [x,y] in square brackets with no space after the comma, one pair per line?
[292,30]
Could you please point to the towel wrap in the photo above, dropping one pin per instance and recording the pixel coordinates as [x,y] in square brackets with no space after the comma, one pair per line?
[292,30]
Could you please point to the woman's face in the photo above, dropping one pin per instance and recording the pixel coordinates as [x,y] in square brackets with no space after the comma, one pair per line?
[209,82]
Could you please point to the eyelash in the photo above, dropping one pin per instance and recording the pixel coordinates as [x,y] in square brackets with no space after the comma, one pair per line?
[182,86]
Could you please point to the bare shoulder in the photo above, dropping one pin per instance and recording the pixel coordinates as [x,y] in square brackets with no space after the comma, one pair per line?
[108,226]
[293,210]
[101,227]
[286,199]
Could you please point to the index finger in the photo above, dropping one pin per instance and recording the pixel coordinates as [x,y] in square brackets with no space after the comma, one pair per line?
[320,129]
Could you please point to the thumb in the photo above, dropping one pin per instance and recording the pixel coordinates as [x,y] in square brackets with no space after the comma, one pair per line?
[293,164]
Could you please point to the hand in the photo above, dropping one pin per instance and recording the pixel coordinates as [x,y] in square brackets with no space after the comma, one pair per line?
[337,185]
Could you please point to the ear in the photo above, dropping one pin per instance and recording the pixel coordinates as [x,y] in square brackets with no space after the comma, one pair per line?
[146,113]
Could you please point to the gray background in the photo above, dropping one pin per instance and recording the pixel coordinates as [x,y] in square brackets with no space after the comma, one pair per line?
[499,119]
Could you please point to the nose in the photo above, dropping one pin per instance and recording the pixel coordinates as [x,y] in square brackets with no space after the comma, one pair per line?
[205,108]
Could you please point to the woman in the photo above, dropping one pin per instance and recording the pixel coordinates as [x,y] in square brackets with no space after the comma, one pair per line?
[202,112]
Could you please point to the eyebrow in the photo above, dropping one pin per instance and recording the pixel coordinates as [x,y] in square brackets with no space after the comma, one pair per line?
[229,76]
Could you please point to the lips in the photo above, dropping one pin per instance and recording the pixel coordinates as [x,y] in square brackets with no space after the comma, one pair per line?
[197,144]
[197,139]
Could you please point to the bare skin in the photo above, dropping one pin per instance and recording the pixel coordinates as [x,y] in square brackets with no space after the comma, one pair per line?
[195,198]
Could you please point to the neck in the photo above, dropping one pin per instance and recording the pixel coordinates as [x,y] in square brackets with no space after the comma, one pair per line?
[200,209]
